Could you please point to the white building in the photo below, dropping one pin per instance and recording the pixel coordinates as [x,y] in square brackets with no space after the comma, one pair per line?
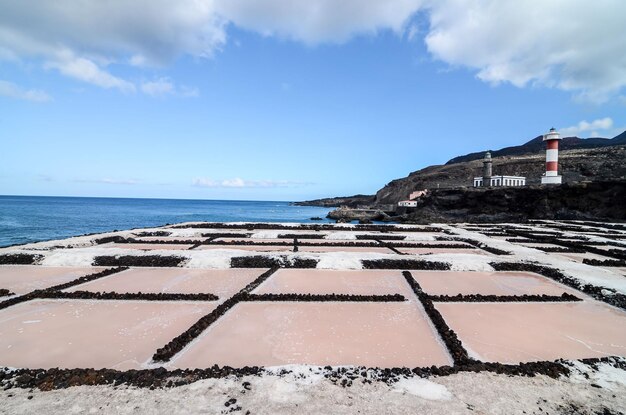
[488,180]
[412,200]
[501,181]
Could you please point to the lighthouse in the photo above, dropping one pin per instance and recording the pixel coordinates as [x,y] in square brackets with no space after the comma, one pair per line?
[552,158]
[487,172]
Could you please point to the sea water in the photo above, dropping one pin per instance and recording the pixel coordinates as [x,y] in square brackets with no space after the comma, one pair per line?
[26,219]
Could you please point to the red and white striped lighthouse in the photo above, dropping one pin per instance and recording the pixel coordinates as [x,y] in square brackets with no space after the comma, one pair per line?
[552,158]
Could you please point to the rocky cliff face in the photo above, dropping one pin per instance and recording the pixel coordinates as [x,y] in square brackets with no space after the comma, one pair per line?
[576,165]
[599,200]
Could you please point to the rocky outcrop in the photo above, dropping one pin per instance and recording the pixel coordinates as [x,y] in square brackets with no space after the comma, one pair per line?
[604,200]
[355,201]
[362,215]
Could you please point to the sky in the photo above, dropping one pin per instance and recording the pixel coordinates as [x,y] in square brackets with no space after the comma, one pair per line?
[291,100]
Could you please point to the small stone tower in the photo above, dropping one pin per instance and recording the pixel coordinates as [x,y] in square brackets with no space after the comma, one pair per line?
[487,173]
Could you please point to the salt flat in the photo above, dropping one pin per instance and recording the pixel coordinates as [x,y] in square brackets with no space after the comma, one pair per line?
[312,302]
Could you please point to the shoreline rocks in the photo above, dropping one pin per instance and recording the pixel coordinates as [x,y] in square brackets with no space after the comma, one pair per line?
[347,214]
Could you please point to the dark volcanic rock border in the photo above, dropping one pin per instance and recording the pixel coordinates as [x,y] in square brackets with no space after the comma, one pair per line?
[443,245]
[607,295]
[54,379]
[455,347]
[300,236]
[122,240]
[479,298]
[414,264]
[260,261]
[138,261]
[340,244]
[19,259]
[155,233]
[42,293]
[610,226]
[569,244]
[286,243]
[88,295]
[177,344]
[310,227]
[606,263]
[5,293]
[382,237]
[476,244]
[225,235]
[559,249]
[110,239]
[325,297]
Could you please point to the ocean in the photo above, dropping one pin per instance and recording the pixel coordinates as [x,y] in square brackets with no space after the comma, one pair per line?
[26,219]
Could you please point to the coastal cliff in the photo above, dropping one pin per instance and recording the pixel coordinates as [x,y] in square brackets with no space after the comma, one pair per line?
[599,200]
[576,165]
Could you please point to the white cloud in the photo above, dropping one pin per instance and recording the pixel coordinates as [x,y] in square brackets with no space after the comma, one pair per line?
[87,71]
[316,21]
[9,89]
[159,87]
[594,126]
[241,183]
[572,45]
[81,38]
[163,86]
[152,31]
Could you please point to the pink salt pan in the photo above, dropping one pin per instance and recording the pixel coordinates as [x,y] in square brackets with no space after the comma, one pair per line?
[579,257]
[171,238]
[424,251]
[375,249]
[538,244]
[488,283]
[525,332]
[149,247]
[96,334]
[456,243]
[255,248]
[319,241]
[224,282]
[255,240]
[321,333]
[317,281]
[611,248]
[22,279]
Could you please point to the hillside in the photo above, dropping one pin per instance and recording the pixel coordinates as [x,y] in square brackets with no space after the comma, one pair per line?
[599,200]
[585,160]
[537,145]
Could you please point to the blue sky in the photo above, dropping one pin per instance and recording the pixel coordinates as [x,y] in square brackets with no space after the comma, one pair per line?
[269,103]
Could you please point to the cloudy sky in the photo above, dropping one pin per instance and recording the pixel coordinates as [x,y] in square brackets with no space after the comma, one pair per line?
[287,100]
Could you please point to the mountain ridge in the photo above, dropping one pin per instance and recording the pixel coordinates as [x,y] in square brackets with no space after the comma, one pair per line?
[536,144]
